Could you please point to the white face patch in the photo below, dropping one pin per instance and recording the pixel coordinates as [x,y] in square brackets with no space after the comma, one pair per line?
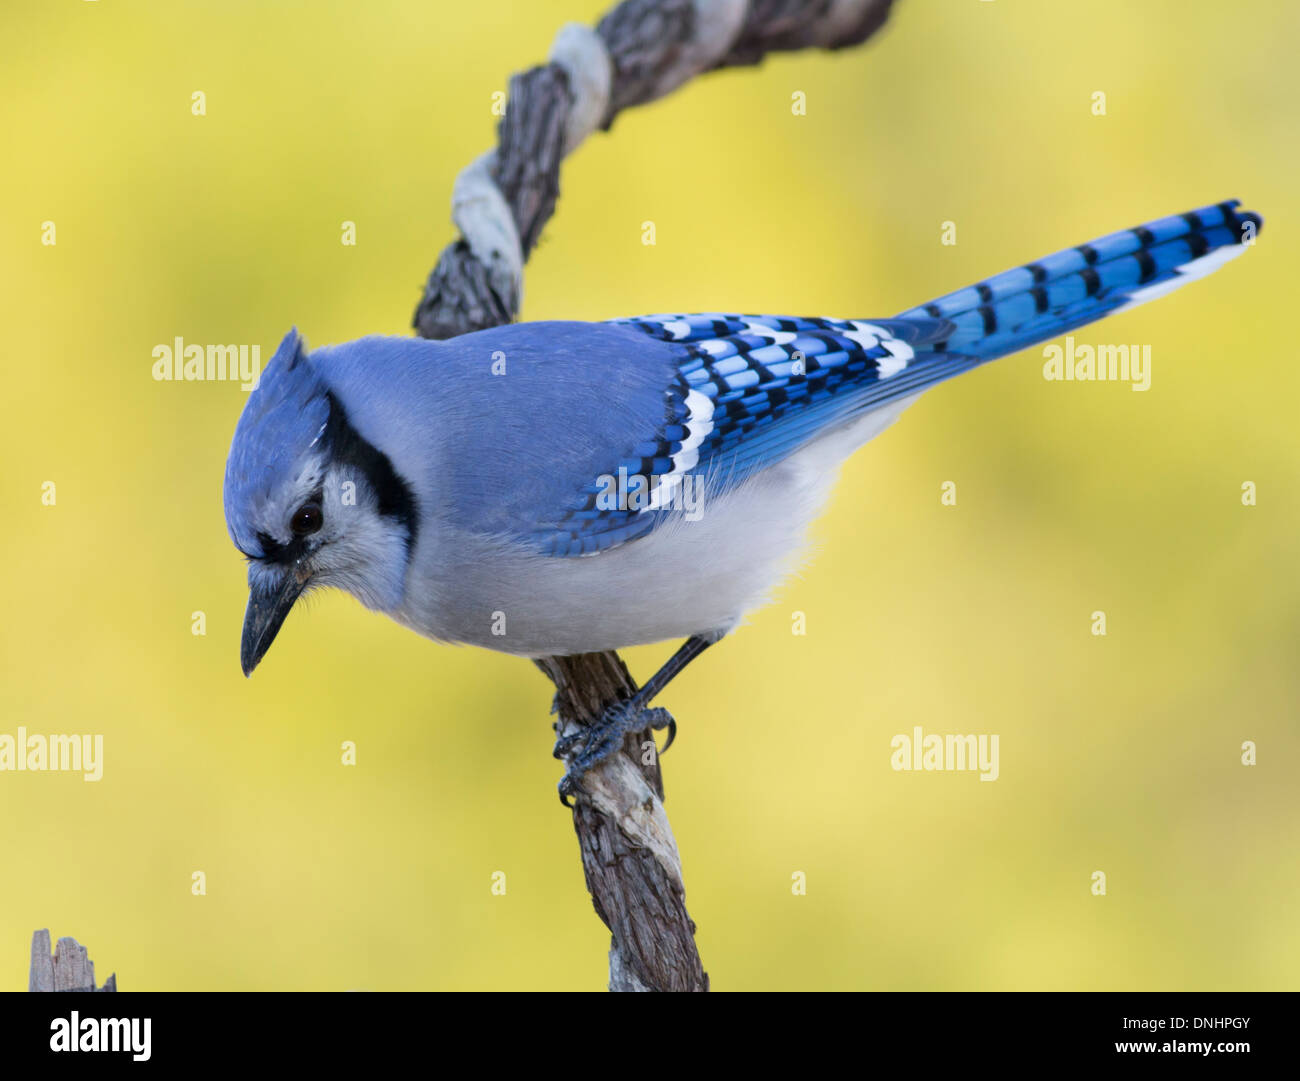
[361,551]
[699,423]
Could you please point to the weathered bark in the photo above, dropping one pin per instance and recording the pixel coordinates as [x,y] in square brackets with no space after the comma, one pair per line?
[70,969]
[629,856]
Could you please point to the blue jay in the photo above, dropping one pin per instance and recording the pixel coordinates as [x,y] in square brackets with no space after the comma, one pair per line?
[566,487]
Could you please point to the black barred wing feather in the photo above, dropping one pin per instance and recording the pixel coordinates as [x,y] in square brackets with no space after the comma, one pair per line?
[748,391]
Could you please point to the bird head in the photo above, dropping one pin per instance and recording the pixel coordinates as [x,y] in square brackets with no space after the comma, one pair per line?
[310,502]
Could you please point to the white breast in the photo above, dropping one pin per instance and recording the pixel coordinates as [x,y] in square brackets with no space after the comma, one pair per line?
[684,578]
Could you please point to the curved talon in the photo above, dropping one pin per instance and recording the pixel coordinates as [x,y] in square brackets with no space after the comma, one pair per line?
[657,718]
[567,788]
[593,743]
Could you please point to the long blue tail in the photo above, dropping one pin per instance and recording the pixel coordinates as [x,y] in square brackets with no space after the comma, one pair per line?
[1041,300]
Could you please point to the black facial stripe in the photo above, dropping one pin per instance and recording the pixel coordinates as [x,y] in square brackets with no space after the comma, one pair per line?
[275,552]
[396,500]
[272,549]
[281,554]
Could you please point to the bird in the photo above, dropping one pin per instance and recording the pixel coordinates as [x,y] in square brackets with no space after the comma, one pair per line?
[564,487]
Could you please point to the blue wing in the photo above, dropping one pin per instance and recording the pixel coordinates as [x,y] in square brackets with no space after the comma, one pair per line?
[747,391]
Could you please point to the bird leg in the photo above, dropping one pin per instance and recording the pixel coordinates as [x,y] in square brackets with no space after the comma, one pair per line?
[594,743]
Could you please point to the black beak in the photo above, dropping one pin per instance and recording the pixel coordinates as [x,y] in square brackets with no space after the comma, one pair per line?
[267,607]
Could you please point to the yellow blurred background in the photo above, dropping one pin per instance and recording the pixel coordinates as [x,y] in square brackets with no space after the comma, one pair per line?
[1119,753]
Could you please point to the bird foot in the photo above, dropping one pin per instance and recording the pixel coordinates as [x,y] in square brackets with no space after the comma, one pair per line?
[593,743]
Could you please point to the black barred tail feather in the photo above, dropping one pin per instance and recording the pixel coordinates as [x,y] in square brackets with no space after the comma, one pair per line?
[750,390]
[1041,300]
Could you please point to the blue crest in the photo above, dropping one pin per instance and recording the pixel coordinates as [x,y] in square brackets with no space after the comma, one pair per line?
[285,415]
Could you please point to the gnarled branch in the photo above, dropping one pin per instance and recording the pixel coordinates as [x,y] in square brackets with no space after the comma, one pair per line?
[641,50]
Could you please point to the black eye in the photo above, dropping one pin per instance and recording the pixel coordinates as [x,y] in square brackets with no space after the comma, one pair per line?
[306,519]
